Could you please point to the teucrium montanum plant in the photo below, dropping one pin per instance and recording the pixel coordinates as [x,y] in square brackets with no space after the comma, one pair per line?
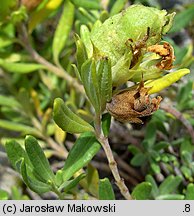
[125,47]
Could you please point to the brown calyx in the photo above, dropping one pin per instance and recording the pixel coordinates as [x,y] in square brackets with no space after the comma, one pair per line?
[166,51]
[130,105]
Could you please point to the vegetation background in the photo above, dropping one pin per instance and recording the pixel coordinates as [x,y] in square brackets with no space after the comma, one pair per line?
[156,160]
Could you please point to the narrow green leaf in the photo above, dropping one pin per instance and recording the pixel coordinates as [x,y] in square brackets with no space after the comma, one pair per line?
[105,190]
[63,29]
[186,146]
[170,184]
[59,177]
[164,158]
[81,54]
[92,179]
[24,99]
[155,190]
[117,7]
[9,101]
[182,19]
[184,95]
[155,155]
[190,192]
[84,149]
[105,81]
[104,15]
[85,36]
[89,16]
[106,121]
[155,167]
[88,4]
[187,172]
[20,67]
[159,115]
[34,184]
[96,26]
[13,115]
[186,157]
[138,159]
[91,83]
[67,120]
[161,146]
[68,185]
[150,136]
[15,152]
[25,129]
[38,159]
[4,195]
[170,197]
[133,149]
[189,105]
[171,157]
[77,73]
[16,193]
[5,41]
[142,191]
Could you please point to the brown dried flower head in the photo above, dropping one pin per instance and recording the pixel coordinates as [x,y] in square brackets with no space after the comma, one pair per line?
[166,51]
[132,104]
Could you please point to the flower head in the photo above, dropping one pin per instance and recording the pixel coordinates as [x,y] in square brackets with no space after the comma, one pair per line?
[132,43]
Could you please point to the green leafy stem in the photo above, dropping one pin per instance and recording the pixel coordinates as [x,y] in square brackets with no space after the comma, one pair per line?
[96,78]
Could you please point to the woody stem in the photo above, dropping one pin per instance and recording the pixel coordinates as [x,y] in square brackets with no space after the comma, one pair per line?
[112,163]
